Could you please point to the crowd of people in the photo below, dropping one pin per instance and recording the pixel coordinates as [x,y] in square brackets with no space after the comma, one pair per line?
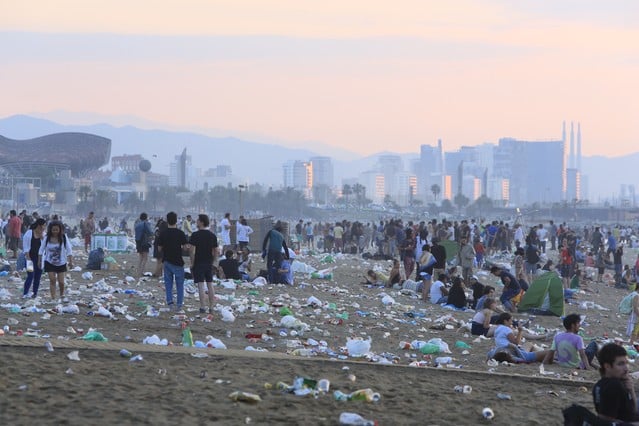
[422,261]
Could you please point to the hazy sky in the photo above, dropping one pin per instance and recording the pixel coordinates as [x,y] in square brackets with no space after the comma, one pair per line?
[363,75]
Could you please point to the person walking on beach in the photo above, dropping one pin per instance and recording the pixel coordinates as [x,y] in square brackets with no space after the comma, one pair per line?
[171,242]
[14,233]
[272,247]
[87,229]
[203,253]
[466,259]
[31,243]
[143,234]
[242,233]
[225,231]
[56,255]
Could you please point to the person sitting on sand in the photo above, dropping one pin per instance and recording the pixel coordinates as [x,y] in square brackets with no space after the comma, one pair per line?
[375,278]
[230,266]
[569,347]
[614,394]
[438,291]
[480,325]
[506,341]
[395,275]
[457,294]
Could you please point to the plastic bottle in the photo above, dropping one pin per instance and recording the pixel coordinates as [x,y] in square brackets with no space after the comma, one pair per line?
[187,337]
[354,419]
[443,360]
[29,266]
[125,354]
[323,385]
[49,346]
[340,396]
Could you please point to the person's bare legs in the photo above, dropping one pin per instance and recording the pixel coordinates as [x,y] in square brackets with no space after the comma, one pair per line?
[211,296]
[61,283]
[202,293]
[52,284]
[158,268]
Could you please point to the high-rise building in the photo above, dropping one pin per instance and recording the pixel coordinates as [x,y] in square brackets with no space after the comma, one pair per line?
[535,170]
[429,170]
[181,171]
[322,171]
[298,175]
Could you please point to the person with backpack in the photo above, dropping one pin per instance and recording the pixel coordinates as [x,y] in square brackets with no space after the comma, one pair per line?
[31,243]
[143,235]
[56,257]
[532,258]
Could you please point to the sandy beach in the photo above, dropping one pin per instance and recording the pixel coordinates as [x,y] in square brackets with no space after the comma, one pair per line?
[171,385]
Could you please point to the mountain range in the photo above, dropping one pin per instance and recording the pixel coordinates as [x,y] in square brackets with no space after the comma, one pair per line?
[262,162]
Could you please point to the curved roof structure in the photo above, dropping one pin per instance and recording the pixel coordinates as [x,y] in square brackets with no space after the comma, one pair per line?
[78,152]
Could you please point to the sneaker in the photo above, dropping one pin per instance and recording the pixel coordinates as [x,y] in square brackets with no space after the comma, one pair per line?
[180,311]
[65,300]
[203,310]
[210,310]
[25,296]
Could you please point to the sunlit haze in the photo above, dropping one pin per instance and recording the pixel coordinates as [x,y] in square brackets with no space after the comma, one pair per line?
[365,76]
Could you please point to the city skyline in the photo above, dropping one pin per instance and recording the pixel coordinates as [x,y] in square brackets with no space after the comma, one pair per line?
[357,76]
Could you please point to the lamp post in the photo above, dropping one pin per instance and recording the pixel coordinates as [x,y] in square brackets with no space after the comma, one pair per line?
[240,188]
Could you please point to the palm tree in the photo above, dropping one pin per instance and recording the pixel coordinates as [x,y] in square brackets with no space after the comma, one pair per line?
[461,201]
[83,192]
[436,190]
[346,191]
[360,194]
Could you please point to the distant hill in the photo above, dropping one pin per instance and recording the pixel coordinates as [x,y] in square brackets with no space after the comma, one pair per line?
[261,162]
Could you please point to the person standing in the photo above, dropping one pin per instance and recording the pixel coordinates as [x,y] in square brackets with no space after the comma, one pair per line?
[14,233]
[56,255]
[31,243]
[143,235]
[187,226]
[272,247]
[242,233]
[87,229]
[170,243]
[225,231]
[439,251]
[552,234]
[466,259]
[614,394]
[203,253]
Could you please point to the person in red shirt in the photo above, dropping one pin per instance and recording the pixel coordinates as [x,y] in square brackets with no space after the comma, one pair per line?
[14,233]
[566,266]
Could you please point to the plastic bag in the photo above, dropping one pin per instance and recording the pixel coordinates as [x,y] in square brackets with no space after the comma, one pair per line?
[358,347]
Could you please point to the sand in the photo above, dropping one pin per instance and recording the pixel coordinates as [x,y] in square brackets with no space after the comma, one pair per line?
[170,385]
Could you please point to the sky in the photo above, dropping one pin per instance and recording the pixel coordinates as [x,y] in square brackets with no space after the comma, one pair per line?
[367,76]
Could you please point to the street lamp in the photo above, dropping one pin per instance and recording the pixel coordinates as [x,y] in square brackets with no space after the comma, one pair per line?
[240,188]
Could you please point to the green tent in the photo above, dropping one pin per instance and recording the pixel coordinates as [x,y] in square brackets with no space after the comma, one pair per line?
[452,248]
[546,288]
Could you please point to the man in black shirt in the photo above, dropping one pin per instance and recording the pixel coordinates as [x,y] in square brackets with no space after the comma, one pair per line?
[170,243]
[614,394]
[439,252]
[203,254]
[230,266]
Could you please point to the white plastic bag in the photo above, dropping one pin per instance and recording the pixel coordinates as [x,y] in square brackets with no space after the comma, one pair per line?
[358,347]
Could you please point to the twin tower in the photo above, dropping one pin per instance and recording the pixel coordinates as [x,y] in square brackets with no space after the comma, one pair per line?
[574,161]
